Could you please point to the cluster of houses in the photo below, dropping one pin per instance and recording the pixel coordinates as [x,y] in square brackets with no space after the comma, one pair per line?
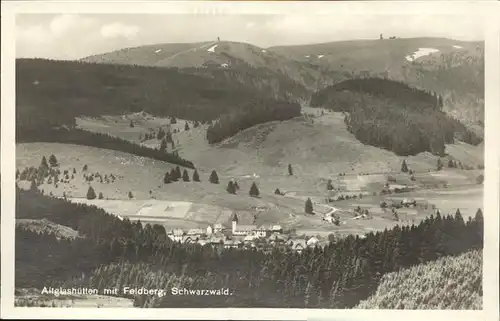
[240,236]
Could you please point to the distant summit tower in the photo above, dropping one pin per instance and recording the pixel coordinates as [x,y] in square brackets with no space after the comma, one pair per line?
[381,36]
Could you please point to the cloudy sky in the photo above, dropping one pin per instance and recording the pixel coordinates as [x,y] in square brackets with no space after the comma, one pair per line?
[70,36]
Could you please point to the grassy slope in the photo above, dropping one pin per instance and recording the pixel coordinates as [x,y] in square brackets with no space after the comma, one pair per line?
[235,54]
[46,226]
[323,150]
[448,283]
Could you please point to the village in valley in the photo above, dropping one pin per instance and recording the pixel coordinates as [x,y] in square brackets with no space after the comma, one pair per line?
[239,236]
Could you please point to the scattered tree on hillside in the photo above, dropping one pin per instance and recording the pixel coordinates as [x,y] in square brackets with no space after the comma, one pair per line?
[290,170]
[53,161]
[17,173]
[235,184]
[214,178]
[85,168]
[169,138]
[480,179]
[186,126]
[163,145]
[329,185]
[439,165]
[254,190]
[74,170]
[277,191]
[173,120]
[166,178]
[185,176]
[196,124]
[451,164]
[130,195]
[101,196]
[33,186]
[178,172]
[404,167]
[230,188]
[131,124]
[44,163]
[309,207]
[161,134]
[173,175]
[196,176]
[91,193]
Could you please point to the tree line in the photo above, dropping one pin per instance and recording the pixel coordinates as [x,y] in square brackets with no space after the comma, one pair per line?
[78,136]
[395,117]
[336,276]
[252,113]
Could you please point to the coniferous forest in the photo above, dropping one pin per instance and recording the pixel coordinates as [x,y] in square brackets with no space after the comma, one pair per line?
[113,252]
[391,115]
[52,93]
[252,113]
[78,136]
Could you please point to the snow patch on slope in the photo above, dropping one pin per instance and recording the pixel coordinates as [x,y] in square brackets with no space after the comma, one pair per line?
[420,53]
[212,49]
[457,47]
[158,51]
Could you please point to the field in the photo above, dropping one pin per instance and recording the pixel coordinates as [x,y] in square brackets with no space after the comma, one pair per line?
[317,146]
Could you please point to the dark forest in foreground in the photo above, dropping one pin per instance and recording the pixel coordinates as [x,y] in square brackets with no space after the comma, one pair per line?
[114,252]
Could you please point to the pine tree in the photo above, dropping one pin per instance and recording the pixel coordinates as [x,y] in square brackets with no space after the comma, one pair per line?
[480,179]
[166,178]
[329,185]
[196,124]
[168,137]
[290,170]
[439,165]
[178,172]
[277,191]
[173,120]
[185,176]
[404,167]
[130,195]
[53,161]
[451,164]
[91,193]
[33,186]
[131,124]
[44,164]
[163,145]
[230,188]
[196,176]
[254,190]
[74,170]
[214,178]
[173,175]
[309,207]
[17,174]
[161,134]
[236,186]
[186,126]
[85,168]
[101,196]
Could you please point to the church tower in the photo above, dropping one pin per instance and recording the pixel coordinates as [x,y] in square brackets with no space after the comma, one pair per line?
[234,221]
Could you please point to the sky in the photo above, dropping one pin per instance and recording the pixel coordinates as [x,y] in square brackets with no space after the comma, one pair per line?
[72,36]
